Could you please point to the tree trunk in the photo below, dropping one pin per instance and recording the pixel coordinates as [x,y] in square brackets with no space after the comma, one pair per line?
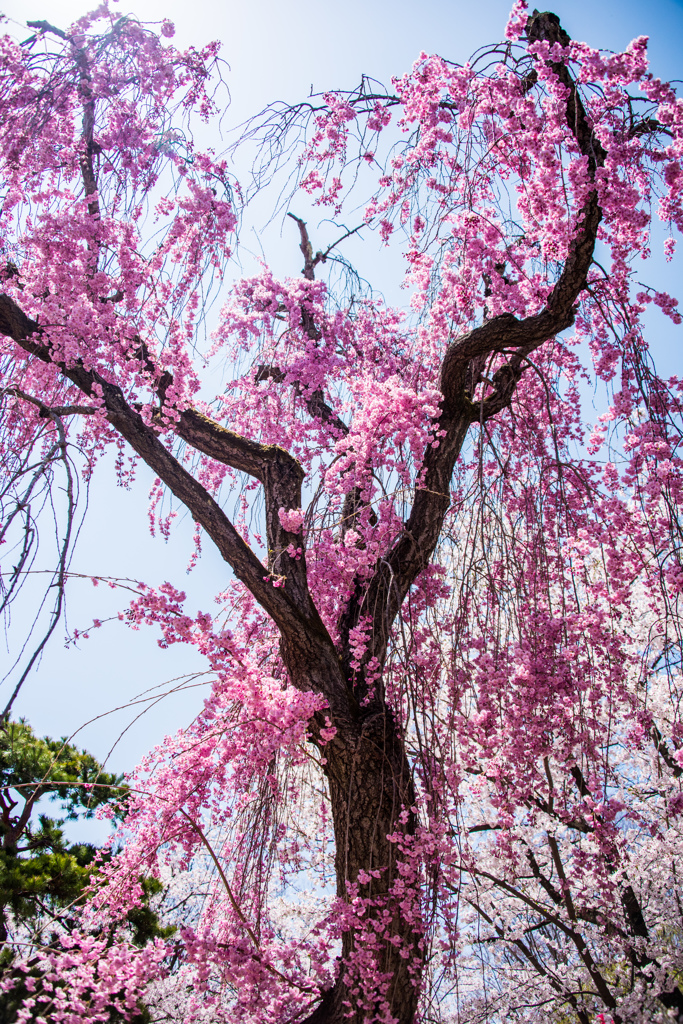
[372,797]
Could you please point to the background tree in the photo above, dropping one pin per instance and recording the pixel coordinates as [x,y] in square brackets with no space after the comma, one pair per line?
[44,878]
[456,601]
[40,871]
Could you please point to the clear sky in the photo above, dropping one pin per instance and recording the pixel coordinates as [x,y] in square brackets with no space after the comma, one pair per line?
[276,49]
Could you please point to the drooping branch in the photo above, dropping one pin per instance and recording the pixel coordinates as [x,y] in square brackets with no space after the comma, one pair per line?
[502,334]
[58,452]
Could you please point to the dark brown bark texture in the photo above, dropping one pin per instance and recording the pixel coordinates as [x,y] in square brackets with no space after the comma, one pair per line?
[367,767]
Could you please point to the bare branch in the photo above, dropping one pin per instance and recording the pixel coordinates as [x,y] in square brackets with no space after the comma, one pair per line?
[45,26]
[49,411]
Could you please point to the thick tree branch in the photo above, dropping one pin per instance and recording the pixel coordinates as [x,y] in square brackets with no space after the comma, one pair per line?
[414,548]
[281,476]
[45,26]
[298,622]
[307,648]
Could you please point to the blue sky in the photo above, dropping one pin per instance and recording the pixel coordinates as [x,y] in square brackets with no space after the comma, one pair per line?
[281,47]
[276,50]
